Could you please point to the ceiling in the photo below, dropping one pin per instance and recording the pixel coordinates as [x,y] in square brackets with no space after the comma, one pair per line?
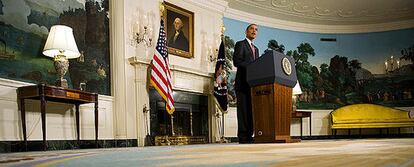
[330,12]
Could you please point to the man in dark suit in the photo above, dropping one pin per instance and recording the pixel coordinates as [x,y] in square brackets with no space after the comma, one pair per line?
[244,53]
[178,40]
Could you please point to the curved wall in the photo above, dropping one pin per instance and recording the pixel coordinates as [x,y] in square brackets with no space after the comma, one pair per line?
[372,82]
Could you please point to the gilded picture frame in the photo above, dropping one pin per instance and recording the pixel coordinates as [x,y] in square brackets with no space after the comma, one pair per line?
[179,27]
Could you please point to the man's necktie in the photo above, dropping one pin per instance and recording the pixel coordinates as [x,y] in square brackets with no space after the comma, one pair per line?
[253,51]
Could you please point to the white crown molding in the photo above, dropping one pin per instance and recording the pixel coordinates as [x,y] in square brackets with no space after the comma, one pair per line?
[219,6]
[316,11]
[315,28]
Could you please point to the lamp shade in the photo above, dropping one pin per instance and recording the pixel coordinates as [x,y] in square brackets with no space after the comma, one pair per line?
[61,41]
[297,90]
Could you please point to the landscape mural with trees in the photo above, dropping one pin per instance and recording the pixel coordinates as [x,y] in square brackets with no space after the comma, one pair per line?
[339,80]
[24,26]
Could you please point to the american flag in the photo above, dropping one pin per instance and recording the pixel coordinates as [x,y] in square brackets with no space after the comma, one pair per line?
[160,73]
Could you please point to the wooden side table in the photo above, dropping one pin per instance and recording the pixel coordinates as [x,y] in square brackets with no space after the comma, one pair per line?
[301,115]
[46,93]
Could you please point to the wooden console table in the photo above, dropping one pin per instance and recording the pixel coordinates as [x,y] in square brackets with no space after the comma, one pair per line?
[56,94]
[301,115]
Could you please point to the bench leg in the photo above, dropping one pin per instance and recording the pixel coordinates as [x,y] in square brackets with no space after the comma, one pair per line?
[360,133]
[349,132]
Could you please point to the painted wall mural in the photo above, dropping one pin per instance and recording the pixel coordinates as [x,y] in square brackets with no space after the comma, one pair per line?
[24,26]
[340,69]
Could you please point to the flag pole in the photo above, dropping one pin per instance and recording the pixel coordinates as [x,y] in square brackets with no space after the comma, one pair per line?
[172,125]
[222,139]
[222,35]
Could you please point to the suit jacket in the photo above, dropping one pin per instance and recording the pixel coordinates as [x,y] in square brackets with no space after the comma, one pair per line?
[242,57]
[180,43]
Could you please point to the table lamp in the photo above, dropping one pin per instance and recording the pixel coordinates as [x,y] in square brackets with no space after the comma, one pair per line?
[295,92]
[61,46]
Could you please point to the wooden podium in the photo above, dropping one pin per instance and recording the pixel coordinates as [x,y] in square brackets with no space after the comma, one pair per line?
[272,77]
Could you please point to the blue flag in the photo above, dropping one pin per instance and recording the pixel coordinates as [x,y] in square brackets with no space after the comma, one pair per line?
[220,82]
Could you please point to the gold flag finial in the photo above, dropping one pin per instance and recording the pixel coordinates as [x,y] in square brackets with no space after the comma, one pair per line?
[162,8]
[223,28]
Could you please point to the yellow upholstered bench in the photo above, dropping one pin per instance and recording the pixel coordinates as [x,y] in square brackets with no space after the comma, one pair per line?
[359,116]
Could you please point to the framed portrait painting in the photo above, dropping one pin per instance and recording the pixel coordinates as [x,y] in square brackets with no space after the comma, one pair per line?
[179,27]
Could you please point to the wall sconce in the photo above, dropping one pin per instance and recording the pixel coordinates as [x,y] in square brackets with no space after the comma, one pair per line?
[142,30]
[212,46]
[61,46]
[212,52]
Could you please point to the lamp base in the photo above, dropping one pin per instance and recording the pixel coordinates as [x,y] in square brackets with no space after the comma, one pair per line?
[62,82]
[61,67]
[294,103]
